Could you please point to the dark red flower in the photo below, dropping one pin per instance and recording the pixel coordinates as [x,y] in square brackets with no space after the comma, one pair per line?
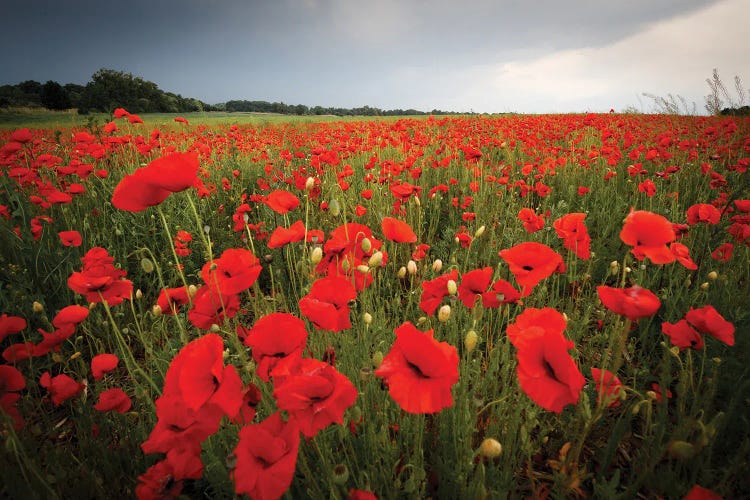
[276,354]
[398,230]
[682,335]
[703,212]
[251,396]
[11,380]
[700,493]
[420,371]
[682,254]
[10,325]
[234,272]
[608,386]
[316,395]
[170,299]
[70,238]
[61,388]
[532,262]
[531,221]
[158,482]
[210,308]
[649,234]
[327,304]
[113,400]
[708,320]
[266,458]
[152,184]
[633,302]
[70,315]
[103,363]
[501,292]
[723,253]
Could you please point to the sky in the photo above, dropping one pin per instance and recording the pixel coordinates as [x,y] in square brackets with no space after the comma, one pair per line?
[536,56]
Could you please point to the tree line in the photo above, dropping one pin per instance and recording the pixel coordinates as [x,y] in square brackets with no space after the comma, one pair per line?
[110,89]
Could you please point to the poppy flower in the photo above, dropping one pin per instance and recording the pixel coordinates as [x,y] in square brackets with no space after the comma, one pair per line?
[234,272]
[708,320]
[682,254]
[433,291]
[113,400]
[70,315]
[501,292]
[547,373]
[198,376]
[649,234]
[723,252]
[120,113]
[327,304]
[282,236]
[170,299]
[703,212]
[532,323]
[158,482]
[266,458]
[316,395]
[152,184]
[22,135]
[103,363]
[61,388]
[275,353]
[99,279]
[575,235]
[531,262]
[698,492]
[10,325]
[682,335]
[474,284]
[281,201]
[397,230]
[633,302]
[608,386]
[344,251]
[70,238]
[420,371]
[210,308]
[11,380]
[180,119]
[531,221]
[251,396]
[18,352]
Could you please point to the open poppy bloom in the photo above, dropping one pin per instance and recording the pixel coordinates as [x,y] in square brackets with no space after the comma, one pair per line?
[633,302]
[10,325]
[682,254]
[281,201]
[608,386]
[474,284]
[420,371]
[315,394]
[708,320]
[210,308]
[61,388]
[531,262]
[574,233]
[282,236]
[531,221]
[266,458]
[99,279]
[103,363]
[152,184]
[70,238]
[433,291]
[327,304]
[113,400]
[398,230]
[170,299]
[501,292]
[533,322]
[703,212]
[649,234]
[682,335]
[276,353]
[343,252]
[234,272]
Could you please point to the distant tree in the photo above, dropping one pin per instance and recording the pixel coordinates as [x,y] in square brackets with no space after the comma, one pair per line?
[54,96]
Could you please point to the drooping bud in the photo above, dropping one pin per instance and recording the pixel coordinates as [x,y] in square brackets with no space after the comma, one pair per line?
[480,231]
[437,265]
[316,255]
[444,313]
[452,287]
[37,307]
[490,448]
[366,245]
[411,266]
[147,265]
[375,259]
[377,359]
[470,340]
[334,208]
[309,183]
[367,318]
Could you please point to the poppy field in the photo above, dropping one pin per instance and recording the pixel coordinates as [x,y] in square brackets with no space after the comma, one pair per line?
[462,307]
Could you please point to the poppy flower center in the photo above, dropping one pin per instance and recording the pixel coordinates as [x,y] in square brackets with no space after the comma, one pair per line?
[548,369]
[527,268]
[416,370]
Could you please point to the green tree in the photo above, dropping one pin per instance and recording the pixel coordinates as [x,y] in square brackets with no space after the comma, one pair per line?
[54,96]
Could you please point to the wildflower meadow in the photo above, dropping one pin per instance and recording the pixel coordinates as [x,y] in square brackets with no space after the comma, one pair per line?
[550,306]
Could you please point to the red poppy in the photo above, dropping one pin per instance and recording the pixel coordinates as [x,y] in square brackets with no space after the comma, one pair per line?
[134,119]
[281,201]
[608,386]
[633,302]
[531,221]
[501,292]
[198,375]
[211,308]
[474,284]
[435,290]
[327,304]
[532,323]
[398,230]
[251,396]
[11,380]
[70,238]
[234,272]
[532,262]
[344,252]
[158,482]
[70,315]
[103,363]
[61,388]
[152,184]
[276,354]
[282,236]
[575,235]
[698,492]
[682,335]
[649,234]
[316,395]
[703,212]
[170,299]
[120,113]
[10,325]
[113,400]
[547,373]
[355,494]
[420,371]
[22,135]
[99,279]
[18,352]
[708,320]
[180,119]
[723,253]
[682,254]
[266,458]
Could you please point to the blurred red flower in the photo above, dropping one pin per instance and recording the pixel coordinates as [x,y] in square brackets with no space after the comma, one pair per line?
[398,231]
[708,320]
[608,386]
[682,335]
[575,235]
[10,325]
[113,400]
[703,212]
[70,238]
[103,363]
[633,302]
[61,388]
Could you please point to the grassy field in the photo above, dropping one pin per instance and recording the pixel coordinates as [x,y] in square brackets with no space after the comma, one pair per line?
[446,307]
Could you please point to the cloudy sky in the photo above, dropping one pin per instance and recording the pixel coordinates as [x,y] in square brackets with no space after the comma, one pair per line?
[481,55]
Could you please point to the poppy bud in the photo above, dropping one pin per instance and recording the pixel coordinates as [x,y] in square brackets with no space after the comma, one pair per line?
[316,255]
[681,450]
[138,294]
[375,260]
[367,318]
[490,448]
[480,231]
[268,258]
[37,307]
[365,373]
[444,313]
[147,265]
[192,289]
[340,474]
[422,320]
[402,272]
[377,359]
[75,355]
[363,269]
[411,266]
[704,286]
[470,340]
[437,265]
[713,275]
[366,245]
[309,183]
[156,310]
[214,328]
[334,208]
[452,287]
